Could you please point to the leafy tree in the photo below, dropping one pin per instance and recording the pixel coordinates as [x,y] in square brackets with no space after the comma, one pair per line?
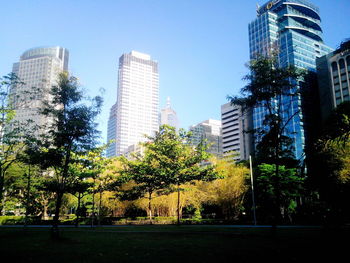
[72,130]
[290,186]
[229,191]
[275,90]
[13,134]
[329,163]
[167,164]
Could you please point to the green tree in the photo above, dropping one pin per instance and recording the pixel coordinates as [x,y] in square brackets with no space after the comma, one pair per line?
[276,91]
[73,130]
[329,164]
[13,134]
[167,163]
[290,186]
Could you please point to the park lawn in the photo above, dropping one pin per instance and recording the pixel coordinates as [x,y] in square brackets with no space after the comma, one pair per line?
[172,244]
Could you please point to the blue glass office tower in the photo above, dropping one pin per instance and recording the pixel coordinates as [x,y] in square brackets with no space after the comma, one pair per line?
[293,28]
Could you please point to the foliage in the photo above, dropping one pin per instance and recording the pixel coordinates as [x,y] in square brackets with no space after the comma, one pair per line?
[71,129]
[275,91]
[228,192]
[329,163]
[290,186]
[12,132]
[167,162]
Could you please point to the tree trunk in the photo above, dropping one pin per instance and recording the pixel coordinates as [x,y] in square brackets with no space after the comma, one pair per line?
[28,197]
[178,204]
[150,207]
[99,209]
[78,211]
[2,203]
[55,233]
[93,208]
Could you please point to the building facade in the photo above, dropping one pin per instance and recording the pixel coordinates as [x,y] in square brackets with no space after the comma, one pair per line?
[168,116]
[235,139]
[209,132]
[293,28]
[112,132]
[38,69]
[334,79]
[137,109]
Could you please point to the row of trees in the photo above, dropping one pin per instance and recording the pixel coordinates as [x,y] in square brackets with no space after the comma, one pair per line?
[61,160]
[47,170]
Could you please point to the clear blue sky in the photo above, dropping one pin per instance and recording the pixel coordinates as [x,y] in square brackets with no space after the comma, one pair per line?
[201,45]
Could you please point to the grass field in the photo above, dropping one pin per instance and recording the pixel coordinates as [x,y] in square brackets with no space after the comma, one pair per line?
[173,244]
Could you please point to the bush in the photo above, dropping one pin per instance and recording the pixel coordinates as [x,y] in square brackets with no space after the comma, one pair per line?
[11,220]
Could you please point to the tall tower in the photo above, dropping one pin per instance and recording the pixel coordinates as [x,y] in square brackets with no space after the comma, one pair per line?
[38,68]
[293,27]
[137,100]
[168,116]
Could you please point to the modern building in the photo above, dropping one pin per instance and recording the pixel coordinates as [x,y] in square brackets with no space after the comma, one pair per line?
[209,132]
[334,79]
[293,28]
[168,116]
[236,140]
[112,132]
[38,69]
[137,109]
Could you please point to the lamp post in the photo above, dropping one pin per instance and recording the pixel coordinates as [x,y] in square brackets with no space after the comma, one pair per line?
[252,185]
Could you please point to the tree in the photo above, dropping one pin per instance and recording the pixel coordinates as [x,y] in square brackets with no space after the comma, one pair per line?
[228,192]
[329,163]
[290,186]
[72,130]
[168,162]
[13,134]
[275,91]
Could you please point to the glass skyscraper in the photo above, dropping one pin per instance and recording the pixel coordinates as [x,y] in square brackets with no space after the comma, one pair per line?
[293,27]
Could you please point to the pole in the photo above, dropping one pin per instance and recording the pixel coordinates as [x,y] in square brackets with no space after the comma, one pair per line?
[252,184]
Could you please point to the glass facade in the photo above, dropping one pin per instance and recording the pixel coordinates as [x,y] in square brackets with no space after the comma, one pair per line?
[293,28]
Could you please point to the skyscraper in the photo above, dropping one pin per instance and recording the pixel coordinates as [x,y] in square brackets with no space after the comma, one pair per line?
[168,116]
[209,132]
[137,108]
[293,28]
[111,132]
[38,68]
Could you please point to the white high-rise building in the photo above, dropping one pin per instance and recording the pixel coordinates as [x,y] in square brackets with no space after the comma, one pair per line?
[168,116]
[137,101]
[38,69]
[235,139]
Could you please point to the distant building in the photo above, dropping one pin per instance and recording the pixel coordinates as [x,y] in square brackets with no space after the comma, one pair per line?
[334,79]
[208,131]
[235,139]
[38,68]
[112,132]
[168,116]
[137,109]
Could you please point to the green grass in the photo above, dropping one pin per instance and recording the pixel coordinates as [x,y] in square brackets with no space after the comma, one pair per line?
[172,244]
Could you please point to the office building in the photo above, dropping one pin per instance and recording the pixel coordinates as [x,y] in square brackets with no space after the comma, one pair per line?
[112,132]
[38,69]
[236,140]
[137,109]
[209,132]
[168,116]
[334,79]
[293,28]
